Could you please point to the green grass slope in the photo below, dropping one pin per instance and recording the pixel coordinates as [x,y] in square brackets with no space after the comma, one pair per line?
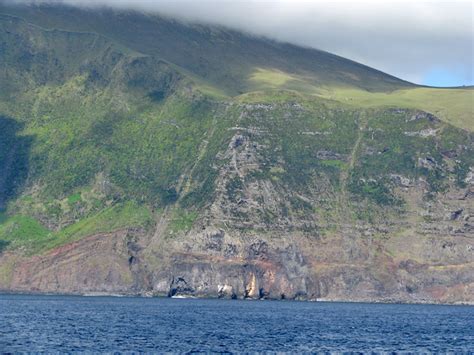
[228,63]
[92,130]
[453,105]
[226,59]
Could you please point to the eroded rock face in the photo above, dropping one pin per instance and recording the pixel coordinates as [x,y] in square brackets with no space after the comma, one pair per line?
[257,276]
[98,264]
[280,229]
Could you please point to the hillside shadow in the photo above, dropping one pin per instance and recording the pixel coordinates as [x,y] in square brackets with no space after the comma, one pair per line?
[3,245]
[14,159]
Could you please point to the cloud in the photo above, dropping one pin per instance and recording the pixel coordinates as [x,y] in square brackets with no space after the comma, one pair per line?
[409,39]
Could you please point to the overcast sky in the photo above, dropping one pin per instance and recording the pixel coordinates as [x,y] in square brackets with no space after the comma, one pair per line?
[426,42]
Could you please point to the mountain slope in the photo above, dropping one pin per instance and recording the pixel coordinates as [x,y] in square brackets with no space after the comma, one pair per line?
[225,62]
[220,56]
[135,161]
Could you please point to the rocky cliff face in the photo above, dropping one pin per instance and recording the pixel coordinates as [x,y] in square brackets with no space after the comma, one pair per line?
[262,239]
[280,228]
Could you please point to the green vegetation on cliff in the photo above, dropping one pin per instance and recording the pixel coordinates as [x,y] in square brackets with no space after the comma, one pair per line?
[27,234]
[101,127]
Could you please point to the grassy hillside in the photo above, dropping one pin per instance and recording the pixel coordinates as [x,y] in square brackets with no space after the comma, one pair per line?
[455,106]
[109,119]
[228,63]
[82,133]
[224,58]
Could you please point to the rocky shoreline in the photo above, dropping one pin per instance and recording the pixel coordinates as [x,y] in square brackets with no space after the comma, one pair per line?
[321,300]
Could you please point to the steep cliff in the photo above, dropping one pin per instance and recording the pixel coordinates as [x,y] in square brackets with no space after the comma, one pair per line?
[139,166]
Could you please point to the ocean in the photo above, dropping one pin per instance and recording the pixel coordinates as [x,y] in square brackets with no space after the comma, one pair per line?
[30,323]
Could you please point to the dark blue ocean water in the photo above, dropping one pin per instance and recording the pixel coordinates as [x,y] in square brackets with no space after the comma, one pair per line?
[107,324]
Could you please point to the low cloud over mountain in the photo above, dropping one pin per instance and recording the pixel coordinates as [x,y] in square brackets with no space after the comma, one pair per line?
[428,42]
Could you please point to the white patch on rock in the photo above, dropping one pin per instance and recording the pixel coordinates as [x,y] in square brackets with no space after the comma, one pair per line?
[428,163]
[316,133]
[162,286]
[470,177]
[401,180]
[425,133]
[225,290]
